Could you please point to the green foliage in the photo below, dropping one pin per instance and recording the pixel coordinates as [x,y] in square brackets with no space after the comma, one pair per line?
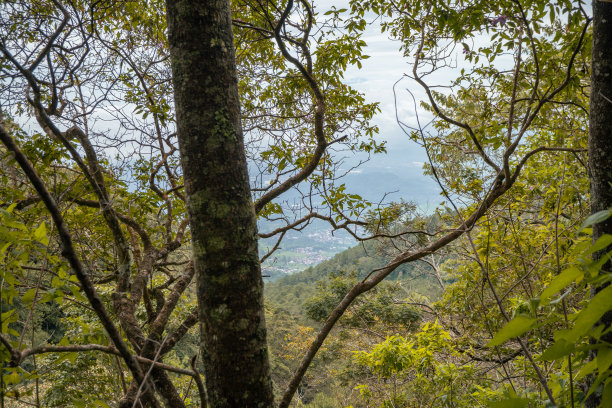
[417,370]
[527,244]
[585,334]
[81,380]
[292,291]
[515,328]
[298,303]
[382,305]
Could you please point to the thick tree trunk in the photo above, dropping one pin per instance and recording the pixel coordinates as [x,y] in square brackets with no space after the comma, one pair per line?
[222,219]
[600,134]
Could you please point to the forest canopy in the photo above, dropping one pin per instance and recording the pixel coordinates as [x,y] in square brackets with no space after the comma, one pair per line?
[147,147]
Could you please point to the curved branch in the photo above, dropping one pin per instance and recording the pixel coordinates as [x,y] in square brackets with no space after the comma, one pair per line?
[45,51]
[319,117]
[180,331]
[529,119]
[199,383]
[130,222]
[172,299]
[442,115]
[381,274]
[69,253]
[97,347]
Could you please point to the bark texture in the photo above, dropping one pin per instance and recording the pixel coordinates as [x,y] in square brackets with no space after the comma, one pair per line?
[600,136]
[222,218]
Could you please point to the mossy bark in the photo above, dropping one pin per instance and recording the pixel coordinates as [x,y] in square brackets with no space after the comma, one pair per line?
[600,137]
[222,218]
[600,121]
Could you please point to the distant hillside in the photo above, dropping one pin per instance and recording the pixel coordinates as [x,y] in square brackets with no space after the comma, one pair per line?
[292,291]
[301,249]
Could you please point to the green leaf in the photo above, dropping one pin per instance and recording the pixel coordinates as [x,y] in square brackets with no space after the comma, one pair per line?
[561,281]
[586,369]
[560,298]
[604,359]
[12,378]
[72,356]
[596,218]
[606,398]
[594,310]
[4,247]
[8,316]
[514,328]
[28,297]
[509,403]
[560,348]
[41,234]
[602,242]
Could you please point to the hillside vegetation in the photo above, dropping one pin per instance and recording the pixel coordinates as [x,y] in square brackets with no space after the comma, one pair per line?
[291,292]
[164,164]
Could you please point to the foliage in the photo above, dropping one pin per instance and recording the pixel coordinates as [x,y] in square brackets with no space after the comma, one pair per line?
[295,306]
[422,369]
[91,83]
[383,305]
[583,335]
[291,292]
[502,256]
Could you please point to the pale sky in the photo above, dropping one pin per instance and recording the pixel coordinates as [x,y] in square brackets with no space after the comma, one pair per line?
[401,168]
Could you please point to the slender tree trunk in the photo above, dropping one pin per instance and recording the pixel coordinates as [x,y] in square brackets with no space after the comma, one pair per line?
[600,136]
[222,218]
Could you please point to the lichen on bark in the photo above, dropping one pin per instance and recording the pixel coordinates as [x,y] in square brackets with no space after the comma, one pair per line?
[222,218]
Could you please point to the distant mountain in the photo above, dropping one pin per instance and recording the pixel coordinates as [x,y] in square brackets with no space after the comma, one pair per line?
[409,185]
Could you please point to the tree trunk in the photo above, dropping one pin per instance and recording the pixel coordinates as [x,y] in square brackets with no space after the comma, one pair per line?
[222,218]
[600,136]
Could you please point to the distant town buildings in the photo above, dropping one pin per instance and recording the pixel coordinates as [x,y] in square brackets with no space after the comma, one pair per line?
[302,250]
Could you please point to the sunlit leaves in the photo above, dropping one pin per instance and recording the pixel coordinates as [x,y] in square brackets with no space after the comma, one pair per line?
[415,368]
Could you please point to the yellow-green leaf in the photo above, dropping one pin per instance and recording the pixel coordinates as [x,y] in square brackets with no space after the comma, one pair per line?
[41,234]
[28,297]
[604,359]
[594,310]
[514,328]
[561,281]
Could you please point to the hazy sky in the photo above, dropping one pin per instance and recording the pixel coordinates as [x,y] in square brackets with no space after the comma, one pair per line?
[401,168]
